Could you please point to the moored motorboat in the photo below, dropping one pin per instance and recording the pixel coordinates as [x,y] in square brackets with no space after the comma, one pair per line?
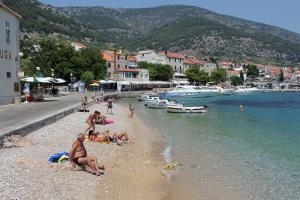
[180,108]
[161,104]
[151,100]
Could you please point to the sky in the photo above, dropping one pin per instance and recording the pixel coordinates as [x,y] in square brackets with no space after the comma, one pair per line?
[282,13]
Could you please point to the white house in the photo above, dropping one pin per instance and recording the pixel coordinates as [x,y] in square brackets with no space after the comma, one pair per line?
[149,56]
[9,55]
[78,46]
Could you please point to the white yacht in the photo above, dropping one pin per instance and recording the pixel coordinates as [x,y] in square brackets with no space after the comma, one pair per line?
[193,91]
[244,89]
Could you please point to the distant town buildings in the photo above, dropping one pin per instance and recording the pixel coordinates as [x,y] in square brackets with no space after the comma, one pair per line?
[121,66]
[9,55]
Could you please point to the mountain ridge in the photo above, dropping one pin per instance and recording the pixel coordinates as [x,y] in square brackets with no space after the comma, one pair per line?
[169,27]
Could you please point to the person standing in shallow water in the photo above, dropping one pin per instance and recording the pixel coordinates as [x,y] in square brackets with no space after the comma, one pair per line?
[131,109]
[241,108]
[109,105]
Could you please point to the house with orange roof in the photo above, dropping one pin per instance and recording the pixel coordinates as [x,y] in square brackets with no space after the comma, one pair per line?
[122,66]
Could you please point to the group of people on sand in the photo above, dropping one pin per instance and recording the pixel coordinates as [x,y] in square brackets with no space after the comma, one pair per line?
[78,153]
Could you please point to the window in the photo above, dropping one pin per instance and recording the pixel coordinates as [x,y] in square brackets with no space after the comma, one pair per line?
[169,59]
[146,75]
[109,65]
[143,55]
[180,60]
[8,74]
[118,66]
[125,57]
[175,67]
[126,66]
[180,68]
[118,57]
[7,32]
[175,59]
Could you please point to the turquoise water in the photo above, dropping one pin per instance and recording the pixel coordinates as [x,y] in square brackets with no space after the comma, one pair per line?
[228,154]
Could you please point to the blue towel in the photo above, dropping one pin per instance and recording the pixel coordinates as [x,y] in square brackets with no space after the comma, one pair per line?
[57,156]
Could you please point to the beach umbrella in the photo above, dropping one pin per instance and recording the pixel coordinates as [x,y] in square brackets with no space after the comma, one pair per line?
[95,85]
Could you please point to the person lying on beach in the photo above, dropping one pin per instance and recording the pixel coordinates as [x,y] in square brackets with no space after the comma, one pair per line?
[93,136]
[101,119]
[78,156]
[116,137]
[91,121]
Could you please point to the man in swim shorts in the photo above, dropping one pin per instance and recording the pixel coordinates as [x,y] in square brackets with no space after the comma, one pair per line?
[91,120]
[78,156]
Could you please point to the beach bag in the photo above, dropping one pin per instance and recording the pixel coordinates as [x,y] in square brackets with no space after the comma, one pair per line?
[56,157]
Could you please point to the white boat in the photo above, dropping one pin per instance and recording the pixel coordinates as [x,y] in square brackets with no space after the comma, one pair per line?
[146,97]
[180,108]
[151,100]
[161,104]
[193,91]
[226,91]
[243,89]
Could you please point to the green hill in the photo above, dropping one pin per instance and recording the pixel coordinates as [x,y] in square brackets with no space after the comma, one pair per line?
[177,28]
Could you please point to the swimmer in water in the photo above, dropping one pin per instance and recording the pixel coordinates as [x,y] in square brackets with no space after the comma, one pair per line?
[241,108]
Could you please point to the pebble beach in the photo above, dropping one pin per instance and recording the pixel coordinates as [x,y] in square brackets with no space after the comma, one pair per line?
[132,171]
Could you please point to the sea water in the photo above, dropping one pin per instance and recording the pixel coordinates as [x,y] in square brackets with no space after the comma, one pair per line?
[229,154]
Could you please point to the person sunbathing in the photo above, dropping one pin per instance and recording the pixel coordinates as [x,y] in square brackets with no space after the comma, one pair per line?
[101,119]
[78,156]
[116,137]
[93,136]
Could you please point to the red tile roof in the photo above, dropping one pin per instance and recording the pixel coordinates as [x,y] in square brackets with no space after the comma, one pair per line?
[192,61]
[132,58]
[127,70]
[172,55]
[108,56]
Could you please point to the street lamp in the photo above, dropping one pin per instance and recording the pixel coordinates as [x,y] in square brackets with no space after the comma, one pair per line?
[52,75]
[71,75]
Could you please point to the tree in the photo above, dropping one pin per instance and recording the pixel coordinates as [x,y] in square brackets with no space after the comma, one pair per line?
[191,73]
[194,75]
[235,80]
[281,77]
[87,77]
[62,58]
[252,71]
[157,71]
[218,75]
[242,76]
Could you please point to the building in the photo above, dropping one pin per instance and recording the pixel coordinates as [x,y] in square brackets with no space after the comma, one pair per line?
[9,55]
[122,66]
[149,56]
[78,46]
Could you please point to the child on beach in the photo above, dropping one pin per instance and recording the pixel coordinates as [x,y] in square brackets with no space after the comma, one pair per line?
[109,105]
[131,109]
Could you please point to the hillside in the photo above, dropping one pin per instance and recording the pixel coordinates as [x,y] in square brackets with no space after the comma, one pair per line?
[44,20]
[177,28]
[198,30]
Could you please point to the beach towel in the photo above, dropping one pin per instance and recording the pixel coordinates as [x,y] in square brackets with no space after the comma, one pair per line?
[57,156]
[106,121]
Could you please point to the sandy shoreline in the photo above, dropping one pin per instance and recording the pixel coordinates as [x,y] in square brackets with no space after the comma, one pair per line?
[132,171]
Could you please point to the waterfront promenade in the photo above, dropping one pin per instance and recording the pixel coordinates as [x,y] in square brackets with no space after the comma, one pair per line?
[18,115]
